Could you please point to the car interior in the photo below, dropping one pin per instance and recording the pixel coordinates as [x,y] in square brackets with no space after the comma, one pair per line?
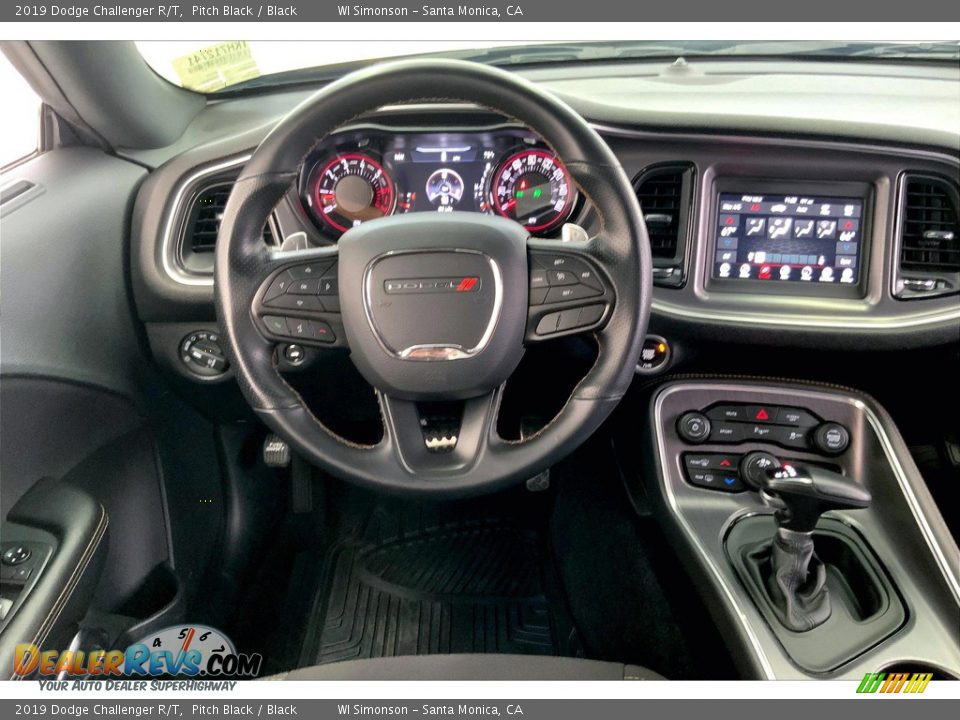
[560,368]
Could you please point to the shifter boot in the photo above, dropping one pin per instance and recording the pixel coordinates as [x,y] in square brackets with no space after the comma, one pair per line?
[797,583]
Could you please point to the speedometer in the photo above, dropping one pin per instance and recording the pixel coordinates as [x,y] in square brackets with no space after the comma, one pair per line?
[533,188]
[350,189]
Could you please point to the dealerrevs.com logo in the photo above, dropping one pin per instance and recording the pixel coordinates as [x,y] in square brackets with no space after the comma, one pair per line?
[912,683]
[190,651]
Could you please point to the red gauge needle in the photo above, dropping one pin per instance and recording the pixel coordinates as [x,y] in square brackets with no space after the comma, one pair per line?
[509,205]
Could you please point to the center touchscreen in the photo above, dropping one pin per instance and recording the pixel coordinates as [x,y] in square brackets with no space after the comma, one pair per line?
[788,238]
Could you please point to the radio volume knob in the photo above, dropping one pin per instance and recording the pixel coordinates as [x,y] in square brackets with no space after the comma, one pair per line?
[694,427]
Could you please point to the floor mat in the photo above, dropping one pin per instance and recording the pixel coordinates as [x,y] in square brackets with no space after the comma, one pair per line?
[416,582]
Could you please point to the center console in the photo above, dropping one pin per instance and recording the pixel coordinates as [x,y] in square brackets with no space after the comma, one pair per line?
[810,532]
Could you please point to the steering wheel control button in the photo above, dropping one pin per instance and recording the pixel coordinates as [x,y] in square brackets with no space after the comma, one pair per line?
[306,272]
[322,332]
[16,555]
[538,295]
[305,287]
[538,278]
[591,314]
[202,355]
[299,328]
[694,427]
[571,319]
[549,324]
[328,286]
[279,286]
[561,277]
[567,277]
[275,325]
[565,293]
[297,302]
[831,438]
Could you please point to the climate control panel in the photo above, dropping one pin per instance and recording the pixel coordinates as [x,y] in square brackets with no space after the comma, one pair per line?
[771,427]
[789,427]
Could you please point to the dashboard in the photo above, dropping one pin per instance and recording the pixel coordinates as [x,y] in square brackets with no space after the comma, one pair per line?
[798,238]
[367,173]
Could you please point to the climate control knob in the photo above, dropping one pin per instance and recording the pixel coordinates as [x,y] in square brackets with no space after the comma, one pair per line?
[694,427]
[753,468]
[831,438]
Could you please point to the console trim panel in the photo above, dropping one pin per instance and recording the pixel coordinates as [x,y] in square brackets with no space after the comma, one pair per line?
[719,511]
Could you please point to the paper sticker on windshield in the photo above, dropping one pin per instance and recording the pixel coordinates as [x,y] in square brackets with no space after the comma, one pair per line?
[216,66]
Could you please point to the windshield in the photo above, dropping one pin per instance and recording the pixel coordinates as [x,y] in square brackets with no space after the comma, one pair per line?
[215,66]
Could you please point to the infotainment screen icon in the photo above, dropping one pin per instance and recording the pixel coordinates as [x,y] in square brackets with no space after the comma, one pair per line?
[788,238]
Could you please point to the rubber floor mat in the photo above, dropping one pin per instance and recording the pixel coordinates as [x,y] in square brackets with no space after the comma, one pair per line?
[428,585]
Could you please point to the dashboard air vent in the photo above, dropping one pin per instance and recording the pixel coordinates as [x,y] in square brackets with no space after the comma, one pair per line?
[929,237]
[665,193]
[205,216]
[202,218]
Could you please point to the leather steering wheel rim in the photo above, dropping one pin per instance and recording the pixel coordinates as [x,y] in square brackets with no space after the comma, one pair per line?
[620,248]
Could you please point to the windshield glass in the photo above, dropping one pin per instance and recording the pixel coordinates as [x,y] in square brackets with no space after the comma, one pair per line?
[214,66]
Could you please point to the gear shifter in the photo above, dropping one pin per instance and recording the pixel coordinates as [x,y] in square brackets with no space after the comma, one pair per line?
[796,583]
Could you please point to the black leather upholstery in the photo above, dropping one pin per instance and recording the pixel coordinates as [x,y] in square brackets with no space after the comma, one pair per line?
[472,667]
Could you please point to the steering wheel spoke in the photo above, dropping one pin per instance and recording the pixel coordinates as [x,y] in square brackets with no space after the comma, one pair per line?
[435,446]
[568,293]
[298,299]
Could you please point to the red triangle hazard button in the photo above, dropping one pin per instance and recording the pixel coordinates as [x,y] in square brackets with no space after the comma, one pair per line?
[762,414]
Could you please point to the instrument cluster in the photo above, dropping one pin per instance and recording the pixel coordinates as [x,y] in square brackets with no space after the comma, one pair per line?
[360,175]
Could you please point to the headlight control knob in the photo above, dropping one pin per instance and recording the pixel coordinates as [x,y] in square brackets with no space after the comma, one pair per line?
[202,354]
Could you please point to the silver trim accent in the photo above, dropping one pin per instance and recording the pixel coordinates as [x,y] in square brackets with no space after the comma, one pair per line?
[953,581]
[694,539]
[167,246]
[810,321]
[939,554]
[434,352]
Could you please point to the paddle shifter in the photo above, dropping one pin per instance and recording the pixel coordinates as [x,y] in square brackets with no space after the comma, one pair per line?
[796,578]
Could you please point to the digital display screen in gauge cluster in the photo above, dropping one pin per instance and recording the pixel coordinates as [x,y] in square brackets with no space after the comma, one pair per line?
[788,238]
[362,176]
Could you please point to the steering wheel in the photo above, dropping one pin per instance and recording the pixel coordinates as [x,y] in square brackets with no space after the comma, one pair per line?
[434,306]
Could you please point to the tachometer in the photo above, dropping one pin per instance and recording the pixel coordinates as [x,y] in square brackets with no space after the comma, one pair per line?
[350,189]
[533,188]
